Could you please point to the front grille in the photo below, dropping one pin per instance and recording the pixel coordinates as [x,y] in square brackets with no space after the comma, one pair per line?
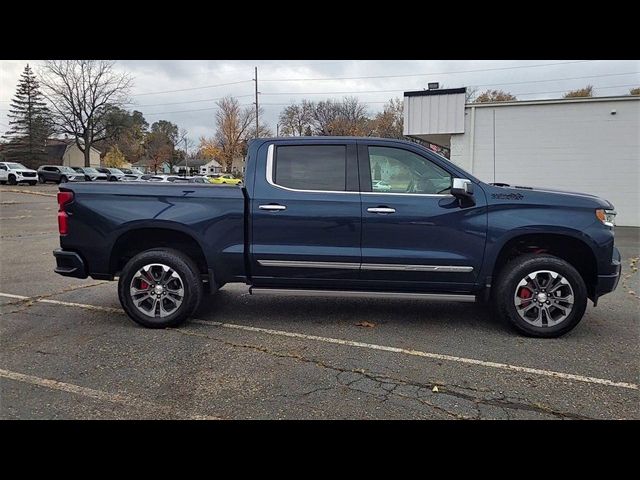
[28,174]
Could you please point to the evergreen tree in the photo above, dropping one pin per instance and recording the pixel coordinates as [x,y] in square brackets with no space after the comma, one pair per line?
[30,123]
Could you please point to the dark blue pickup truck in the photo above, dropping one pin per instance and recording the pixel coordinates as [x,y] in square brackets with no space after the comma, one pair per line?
[344,216]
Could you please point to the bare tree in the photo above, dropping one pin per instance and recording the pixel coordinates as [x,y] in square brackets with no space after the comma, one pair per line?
[233,127]
[580,92]
[82,92]
[470,94]
[296,119]
[494,96]
[323,116]
[389,123]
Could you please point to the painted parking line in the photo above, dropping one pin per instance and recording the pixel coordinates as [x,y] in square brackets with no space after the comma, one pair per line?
[119,398]
[371,346]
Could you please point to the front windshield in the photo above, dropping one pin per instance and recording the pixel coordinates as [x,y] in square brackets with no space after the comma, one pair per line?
[90,170]
[15,166]
[68,169]
[116,171]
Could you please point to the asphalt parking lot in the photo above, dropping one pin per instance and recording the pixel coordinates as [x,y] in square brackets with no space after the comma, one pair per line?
[68,352]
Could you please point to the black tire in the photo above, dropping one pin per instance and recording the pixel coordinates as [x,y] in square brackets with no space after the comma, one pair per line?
[64,179]
[32,183]
[519,268]
[41,179]
[112,179]
[183,266]
[12,180]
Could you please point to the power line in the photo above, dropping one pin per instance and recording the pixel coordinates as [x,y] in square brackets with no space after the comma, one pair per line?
[195,110]
[192,88]
[478,85]
[189,101]
[514,93]
[423,74]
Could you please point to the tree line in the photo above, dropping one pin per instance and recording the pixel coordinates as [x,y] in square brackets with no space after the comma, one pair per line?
[86,101]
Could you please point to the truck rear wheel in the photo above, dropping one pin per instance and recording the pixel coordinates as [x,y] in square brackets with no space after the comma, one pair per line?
[541,295]
[160,288]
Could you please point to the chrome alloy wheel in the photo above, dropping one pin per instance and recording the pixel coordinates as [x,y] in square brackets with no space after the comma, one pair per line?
[157,290]
[544,298]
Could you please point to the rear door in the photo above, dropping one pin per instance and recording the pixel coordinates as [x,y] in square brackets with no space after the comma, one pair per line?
[3,173]
[415,234]
[305,214]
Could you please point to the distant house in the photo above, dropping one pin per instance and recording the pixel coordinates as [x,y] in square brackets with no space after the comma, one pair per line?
[238,166]
[66,152]
[198,166]
[146,166]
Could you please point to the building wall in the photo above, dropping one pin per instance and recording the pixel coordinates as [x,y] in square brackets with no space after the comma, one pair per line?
[578,147]
[434,114]
[73,157]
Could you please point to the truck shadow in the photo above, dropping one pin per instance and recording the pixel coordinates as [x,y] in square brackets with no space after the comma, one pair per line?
[231,305]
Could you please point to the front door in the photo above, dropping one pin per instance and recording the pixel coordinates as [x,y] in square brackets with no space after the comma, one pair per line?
[415,235]
[305,213]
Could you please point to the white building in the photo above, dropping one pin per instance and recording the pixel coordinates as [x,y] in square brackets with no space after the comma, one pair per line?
[589,145]
[201,166]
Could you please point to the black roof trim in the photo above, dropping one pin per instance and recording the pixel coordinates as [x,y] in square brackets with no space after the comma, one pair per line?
[437,91]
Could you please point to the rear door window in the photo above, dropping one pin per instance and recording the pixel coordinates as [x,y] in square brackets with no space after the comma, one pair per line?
[311,167]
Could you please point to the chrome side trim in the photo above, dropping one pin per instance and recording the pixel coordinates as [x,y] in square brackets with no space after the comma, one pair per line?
[269,177]
[302,264]
[362,294]
[417,268]
[410,194]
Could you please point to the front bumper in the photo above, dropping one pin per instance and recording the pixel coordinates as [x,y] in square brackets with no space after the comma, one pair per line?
[69,264]
[608,283]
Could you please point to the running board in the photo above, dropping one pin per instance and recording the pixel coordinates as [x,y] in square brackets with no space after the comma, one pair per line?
[296,292]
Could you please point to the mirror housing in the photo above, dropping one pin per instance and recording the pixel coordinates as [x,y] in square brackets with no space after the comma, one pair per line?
[462,189]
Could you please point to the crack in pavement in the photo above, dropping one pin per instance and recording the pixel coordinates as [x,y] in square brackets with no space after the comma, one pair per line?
[28,302]
[423,391]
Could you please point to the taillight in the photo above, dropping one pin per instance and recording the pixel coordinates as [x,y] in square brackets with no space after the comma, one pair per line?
[63,199]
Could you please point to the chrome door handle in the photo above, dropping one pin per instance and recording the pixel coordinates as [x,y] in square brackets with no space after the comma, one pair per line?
[381,210]
[272,207]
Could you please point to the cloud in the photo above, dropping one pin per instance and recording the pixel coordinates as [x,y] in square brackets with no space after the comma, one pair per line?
[193,108]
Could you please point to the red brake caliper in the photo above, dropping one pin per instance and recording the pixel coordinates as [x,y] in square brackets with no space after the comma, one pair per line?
[524,293]
[143,285]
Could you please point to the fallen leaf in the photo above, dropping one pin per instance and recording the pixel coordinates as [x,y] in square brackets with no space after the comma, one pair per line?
[365,324]
[435,389]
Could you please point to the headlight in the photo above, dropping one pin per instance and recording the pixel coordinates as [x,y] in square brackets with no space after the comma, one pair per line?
[608,217]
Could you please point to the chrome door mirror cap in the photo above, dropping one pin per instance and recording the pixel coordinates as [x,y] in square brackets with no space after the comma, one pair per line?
[461,187]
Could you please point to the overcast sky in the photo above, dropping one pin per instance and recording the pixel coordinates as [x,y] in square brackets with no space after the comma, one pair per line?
[157,82]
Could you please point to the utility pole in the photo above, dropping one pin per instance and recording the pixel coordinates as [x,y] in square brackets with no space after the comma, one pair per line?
[256,80]
[186,157]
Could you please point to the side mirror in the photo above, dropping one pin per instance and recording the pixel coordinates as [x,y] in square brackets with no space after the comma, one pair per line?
[462,189]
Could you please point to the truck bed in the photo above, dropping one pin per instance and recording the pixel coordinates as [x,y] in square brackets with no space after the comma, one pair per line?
[103,214]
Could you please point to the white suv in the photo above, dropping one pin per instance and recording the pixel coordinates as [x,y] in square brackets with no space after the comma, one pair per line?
[14,173]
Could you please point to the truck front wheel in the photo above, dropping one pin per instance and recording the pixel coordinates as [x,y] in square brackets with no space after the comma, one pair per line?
[541,295]
[160,288]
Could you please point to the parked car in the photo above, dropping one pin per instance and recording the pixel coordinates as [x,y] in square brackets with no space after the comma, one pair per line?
[380,186]
[14,173]
[131,171]
[199,179]
[58,174]
[161,178]
[113,174]
[316,227]
[133,177]
[226,179]
[91,174]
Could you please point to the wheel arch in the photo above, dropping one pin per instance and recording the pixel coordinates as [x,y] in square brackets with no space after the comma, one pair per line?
[570,246]
[138,239]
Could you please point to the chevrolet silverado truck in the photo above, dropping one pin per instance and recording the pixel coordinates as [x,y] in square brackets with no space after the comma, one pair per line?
[344,216]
